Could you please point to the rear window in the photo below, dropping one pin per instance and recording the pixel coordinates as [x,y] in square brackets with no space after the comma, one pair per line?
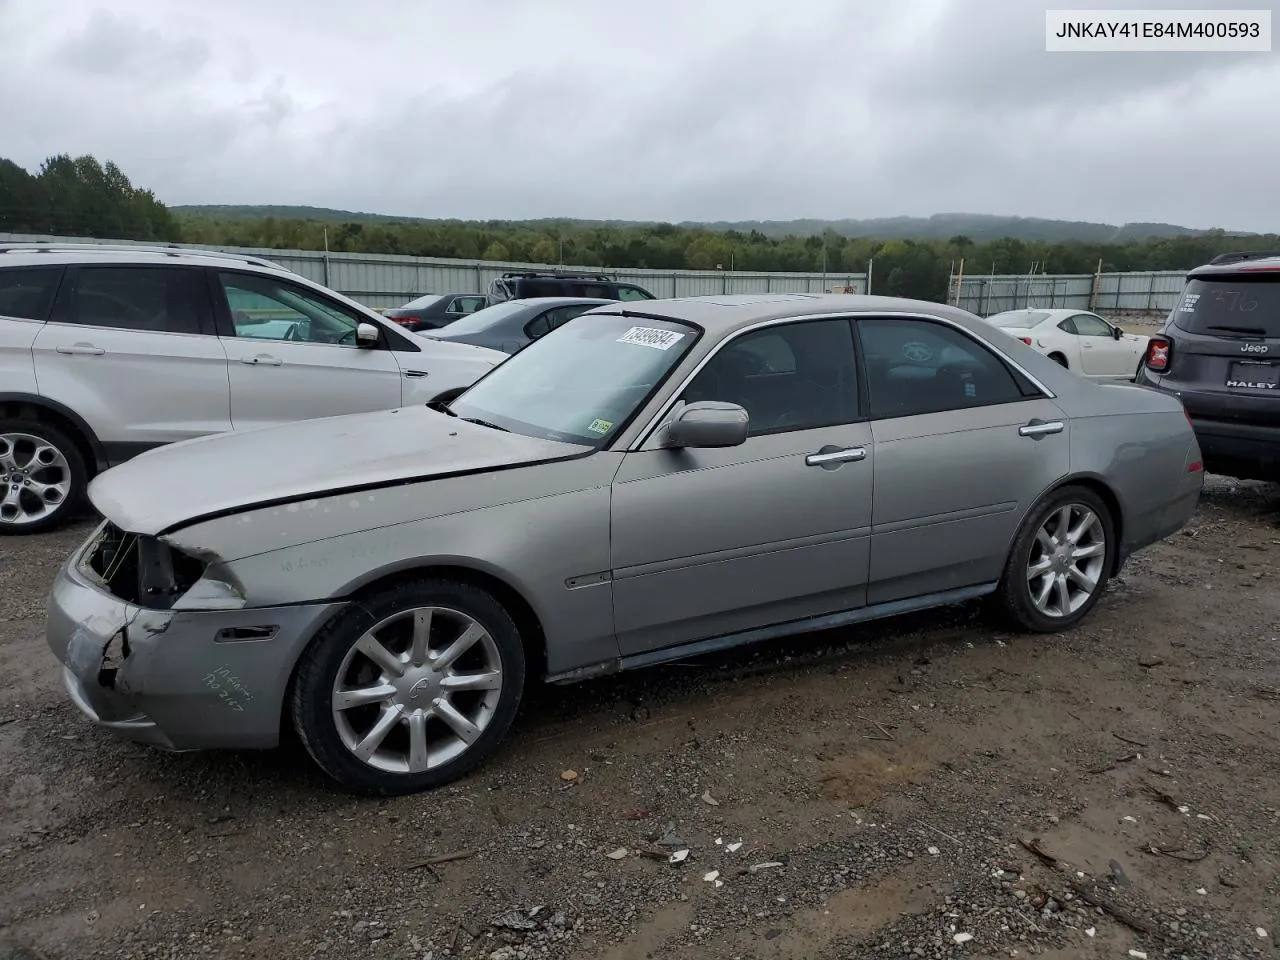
[26,292]
[1239,306]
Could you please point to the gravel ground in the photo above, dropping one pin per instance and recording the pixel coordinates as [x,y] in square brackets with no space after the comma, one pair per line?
[926,787]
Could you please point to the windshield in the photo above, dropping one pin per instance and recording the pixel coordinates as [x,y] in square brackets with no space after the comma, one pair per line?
[582,382]
[483,319]
[1243,306]
[1020,319]
[421,302]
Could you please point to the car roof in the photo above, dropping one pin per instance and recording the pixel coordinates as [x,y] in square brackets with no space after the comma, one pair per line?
[555,301]
[723,315]
[37,253]
[1050,313]
[1236,268]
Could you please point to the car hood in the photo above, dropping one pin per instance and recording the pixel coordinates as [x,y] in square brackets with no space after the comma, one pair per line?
[180,483]
[434,346]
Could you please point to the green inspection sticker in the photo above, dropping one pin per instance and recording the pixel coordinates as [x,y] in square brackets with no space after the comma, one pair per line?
[601,426]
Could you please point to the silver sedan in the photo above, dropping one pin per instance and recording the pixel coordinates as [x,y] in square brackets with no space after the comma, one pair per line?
[643,484]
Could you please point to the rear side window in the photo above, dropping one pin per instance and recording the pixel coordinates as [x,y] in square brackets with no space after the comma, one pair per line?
[151,299]
[1242,306]
[27,292]
[918,366]
[628,292]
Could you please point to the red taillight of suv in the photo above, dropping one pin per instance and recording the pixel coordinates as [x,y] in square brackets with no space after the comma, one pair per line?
[1159,352]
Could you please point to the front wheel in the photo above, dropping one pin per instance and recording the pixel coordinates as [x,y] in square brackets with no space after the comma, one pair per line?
[1059,563]
[411,688]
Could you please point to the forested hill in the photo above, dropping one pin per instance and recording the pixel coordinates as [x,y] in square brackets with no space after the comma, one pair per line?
[978,227]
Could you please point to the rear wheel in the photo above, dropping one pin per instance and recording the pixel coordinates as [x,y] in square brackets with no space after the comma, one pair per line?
[1059,563]
[42,477]
[411,688]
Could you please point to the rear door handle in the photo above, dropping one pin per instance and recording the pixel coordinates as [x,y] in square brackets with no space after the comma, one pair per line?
[832,457]
[263,360]
[1038,428]
[81,349]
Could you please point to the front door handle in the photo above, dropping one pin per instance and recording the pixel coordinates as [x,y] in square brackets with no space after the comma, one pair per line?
[415,374]
[1038,428]
[833,457]
[81,349]
[263,360]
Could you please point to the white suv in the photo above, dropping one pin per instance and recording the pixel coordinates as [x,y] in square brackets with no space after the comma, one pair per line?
[109,350]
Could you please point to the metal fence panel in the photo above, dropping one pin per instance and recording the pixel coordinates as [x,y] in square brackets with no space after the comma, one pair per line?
[388,280]
[1152,292]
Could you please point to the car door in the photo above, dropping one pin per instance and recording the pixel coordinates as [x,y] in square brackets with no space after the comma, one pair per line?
[711,541]
[292,354]
[1102,356]
[132,350]
[964,445]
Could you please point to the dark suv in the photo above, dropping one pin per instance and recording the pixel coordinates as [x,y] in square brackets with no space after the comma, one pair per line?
[1219,353]
[523,286]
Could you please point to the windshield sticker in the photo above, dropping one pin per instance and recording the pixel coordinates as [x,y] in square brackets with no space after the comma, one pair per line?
[652,337]
[1189,303]
[601,426]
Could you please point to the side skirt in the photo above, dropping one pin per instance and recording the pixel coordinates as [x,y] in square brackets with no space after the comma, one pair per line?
[777,631]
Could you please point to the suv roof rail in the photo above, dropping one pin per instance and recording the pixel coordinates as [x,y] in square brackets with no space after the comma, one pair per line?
[558,274]
[173,250]
[1238,255]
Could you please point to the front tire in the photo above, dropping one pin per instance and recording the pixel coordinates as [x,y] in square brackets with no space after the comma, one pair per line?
[411,688]
[1060,562]
[42,477]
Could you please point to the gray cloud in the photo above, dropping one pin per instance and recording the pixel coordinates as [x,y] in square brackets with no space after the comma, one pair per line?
[672,109]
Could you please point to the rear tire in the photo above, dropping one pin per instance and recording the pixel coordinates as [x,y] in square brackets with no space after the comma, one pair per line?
[42,477]
[411,688]
[1065,544]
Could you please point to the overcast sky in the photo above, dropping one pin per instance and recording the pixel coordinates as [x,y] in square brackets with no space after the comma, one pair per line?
[667,109]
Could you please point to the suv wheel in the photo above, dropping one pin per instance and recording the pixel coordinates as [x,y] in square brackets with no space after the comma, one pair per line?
[1058,566]
[42,477]
[411,688]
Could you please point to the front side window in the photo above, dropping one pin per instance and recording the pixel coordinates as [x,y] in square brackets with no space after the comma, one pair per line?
[582,383]
[794,376]
[1088,325]
[145,299]
[919,366]
[26,291]
[269,309]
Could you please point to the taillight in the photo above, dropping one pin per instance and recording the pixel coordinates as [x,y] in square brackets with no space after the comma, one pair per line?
[405,321]
[1158,354]
[1026,340]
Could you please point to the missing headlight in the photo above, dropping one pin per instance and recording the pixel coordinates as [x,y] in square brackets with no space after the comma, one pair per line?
[142,570]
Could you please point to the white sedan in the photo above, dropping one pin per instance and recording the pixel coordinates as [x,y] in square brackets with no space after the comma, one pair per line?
[1082,342]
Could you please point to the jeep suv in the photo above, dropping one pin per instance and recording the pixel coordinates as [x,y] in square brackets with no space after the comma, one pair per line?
[108,350]
[525,286]
[1219,353]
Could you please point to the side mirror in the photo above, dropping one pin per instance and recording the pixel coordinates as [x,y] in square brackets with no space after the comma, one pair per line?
[1117,332]
[367,334]
[709,423]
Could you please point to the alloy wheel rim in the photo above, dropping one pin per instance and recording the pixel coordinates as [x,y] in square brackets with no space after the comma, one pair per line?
[417,690]
[35,478]
[1067,557]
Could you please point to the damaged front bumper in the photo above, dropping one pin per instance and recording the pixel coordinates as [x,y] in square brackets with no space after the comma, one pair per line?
[177,679]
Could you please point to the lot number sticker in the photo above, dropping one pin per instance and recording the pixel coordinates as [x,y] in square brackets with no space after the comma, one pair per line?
[652,337]
[601,426]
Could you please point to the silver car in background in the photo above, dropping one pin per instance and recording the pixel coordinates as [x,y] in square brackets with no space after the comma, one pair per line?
[648,482]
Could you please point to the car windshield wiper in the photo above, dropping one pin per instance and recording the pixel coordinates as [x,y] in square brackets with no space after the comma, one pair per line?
[441,406]
[1256,331]
[484,423]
